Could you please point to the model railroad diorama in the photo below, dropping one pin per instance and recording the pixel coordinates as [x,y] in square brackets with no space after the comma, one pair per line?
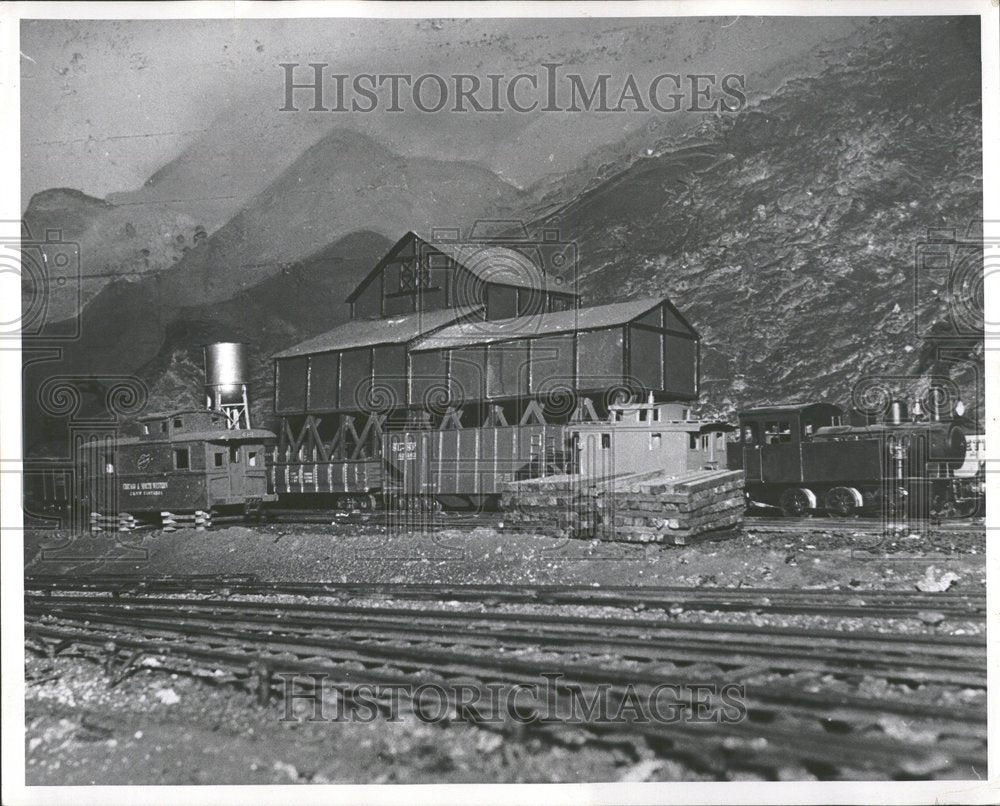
[470,383]
[471,378]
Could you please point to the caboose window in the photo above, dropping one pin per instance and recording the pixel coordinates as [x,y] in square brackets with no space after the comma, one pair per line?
[704,442]
[145,428]
[252,459]
[178,422]
[605,441]
[654,442]
[163,426]
[220,458]
[234,454]
[109,463]
[182,461]
[693,442]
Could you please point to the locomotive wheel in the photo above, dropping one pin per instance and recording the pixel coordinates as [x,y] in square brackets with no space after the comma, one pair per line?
[894,505]
[796,502]
[842,501]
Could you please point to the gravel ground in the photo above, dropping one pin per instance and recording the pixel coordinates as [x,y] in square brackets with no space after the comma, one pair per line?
[358,553]
[171,726]
[156,728]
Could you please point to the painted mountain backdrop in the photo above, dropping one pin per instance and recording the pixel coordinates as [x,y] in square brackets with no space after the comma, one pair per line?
[785,233]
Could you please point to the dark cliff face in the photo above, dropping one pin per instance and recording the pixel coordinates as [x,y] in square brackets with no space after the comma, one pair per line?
[787,234]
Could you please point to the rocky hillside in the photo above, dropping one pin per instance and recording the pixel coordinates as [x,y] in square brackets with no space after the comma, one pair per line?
[112,241]
[787,234]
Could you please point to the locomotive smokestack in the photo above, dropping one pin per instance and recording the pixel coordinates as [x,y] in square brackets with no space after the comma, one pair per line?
[938,404]
[897,412]
[226,382]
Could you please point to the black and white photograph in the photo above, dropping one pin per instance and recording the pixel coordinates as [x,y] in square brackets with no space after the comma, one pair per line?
[592,399]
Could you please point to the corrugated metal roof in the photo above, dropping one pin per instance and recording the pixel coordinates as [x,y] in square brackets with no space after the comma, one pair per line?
[162,415]
[221,435]
[788,408]
[369,332]
[484,332]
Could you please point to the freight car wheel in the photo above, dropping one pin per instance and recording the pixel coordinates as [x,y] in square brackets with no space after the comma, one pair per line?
[797,502]
[842,501]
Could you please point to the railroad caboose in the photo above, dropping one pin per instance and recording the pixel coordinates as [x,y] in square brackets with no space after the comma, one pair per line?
[182,461]
[638,437]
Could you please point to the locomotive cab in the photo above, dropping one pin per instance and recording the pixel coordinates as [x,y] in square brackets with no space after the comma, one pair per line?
[787,424]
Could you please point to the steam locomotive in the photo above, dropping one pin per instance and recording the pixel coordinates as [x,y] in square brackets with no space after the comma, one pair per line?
[804,458]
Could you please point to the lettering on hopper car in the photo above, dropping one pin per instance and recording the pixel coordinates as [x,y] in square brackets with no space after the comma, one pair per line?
[405,449]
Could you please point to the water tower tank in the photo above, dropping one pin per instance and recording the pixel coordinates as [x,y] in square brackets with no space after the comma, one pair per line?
[225,364]
[226,381]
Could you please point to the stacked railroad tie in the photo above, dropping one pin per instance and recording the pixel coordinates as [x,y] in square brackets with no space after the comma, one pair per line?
[676,509]
[647,507]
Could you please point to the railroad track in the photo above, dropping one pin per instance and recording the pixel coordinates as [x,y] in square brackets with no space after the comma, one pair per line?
[818,602]
[806,703]
[427,522]
[439,521]
[874,525]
